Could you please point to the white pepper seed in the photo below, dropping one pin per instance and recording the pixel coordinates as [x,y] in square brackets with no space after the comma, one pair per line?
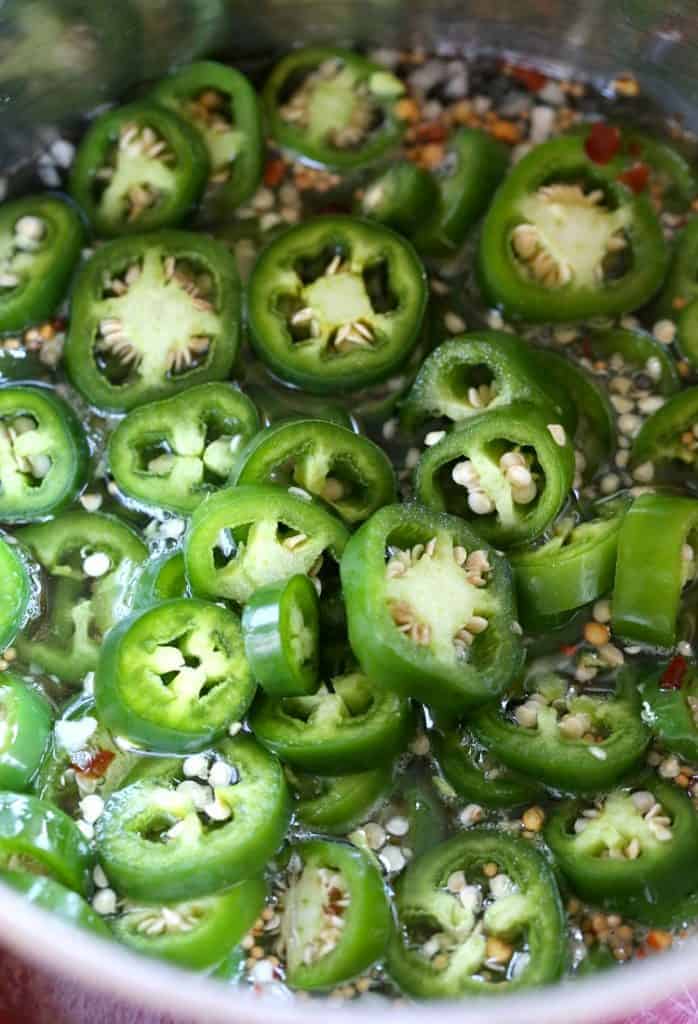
[664,331]
[104,902]
[96,564]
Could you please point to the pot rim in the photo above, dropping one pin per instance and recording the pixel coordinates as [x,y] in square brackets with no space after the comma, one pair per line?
[112,971]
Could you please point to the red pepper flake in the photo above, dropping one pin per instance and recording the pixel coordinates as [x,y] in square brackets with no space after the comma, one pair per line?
[587,349]
[430,131]
[93,765]
[634,149]
[673,674]
[636,178]
[569,650]
[530,78]
[657,939]
[274,172]
[603,142]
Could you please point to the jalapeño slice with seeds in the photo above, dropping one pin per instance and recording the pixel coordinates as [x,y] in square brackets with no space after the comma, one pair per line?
[153,315]
[340,728]
[336,920]
[40,239]
[564,240]
[87,560]
[474,373]
[173,677]
[478,914]
[631,850]
[577,743]
[508,472]
[138,168]
[333,107]
[197,933]
[43,454]
[336,303]
[246,537]
[222,106]
[173,453]
[431,608]
[159,840]
[346,470]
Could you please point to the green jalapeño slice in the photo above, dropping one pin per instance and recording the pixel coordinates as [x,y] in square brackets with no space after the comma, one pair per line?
[87,560]
[138,168]
[43,454]
[431,608]
[340,728]
[336,303]
[630,850]
[165,837]
[334,107]
[246,537]
[151,316]
[508,471]
[174,677]
[569,740]
[337,918]
[40,239]
[478,914]
[171,454]
[564,240]
[196,933]
[347,471]
[221,105]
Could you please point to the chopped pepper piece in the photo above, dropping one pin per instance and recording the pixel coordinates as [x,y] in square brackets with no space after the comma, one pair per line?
[649,582]
[173,453]
[336,303]
[40,239]
[564,240]
[347,471]
[333,107]
[508,472]
[430,608]
[138,168]
[478,914]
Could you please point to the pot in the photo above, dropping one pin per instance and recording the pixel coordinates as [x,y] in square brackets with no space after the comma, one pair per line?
[60,57]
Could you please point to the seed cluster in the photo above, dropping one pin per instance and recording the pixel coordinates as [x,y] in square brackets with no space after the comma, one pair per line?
[204,776]
[501,956]
[113,339]
[530,246]
[19,434]
[350,335]
[572,724]
[136,141]
[332,73]
[647,807]
[29,232]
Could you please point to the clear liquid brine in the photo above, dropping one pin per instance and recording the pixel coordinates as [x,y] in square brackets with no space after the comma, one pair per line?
[462,283]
